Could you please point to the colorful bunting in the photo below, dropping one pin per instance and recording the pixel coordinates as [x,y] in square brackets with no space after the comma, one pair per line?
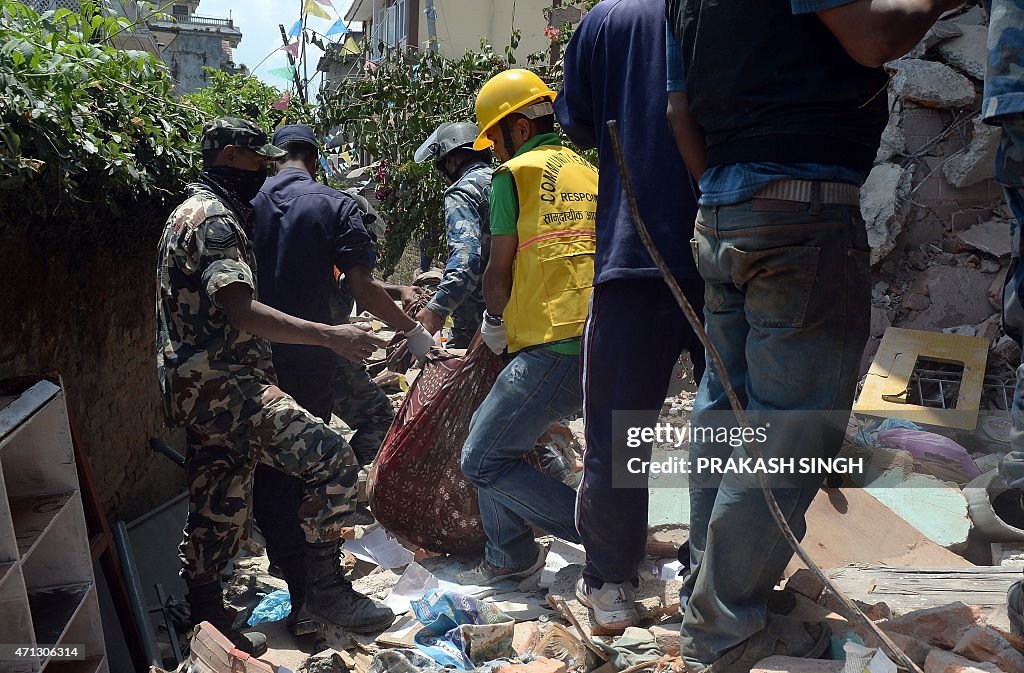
[327,169]
[370,64]
[312,7]
[350,47]
[337,27]
[296,29]
[286,73]
[283,102]
[326,3]
[292,49]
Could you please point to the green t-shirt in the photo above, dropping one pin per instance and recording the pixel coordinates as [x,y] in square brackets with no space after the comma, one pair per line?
[505,214]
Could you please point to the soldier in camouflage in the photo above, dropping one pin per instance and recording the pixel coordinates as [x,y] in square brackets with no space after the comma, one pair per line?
[467,225]
[214,362]
[1003,106]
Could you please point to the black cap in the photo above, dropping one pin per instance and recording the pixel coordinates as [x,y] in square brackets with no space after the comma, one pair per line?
[295,133]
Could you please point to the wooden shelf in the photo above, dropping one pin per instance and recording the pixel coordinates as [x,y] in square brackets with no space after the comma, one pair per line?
[53,609]
[34,516]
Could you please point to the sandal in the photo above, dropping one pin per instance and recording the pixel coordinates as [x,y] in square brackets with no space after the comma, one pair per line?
[784,636]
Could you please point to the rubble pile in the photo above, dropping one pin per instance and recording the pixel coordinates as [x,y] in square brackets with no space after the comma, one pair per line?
[937,224]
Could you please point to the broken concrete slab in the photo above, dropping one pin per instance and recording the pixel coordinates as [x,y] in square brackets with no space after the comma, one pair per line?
[894,140]
[780,664]
[942,626]
[975,16]
[667,637]
[988,645]
[916,650]
[884,204]
[977,161]
[942,30]
[805,583]
[934,507]
[931,84]
[967,52]
[881,320]
[939,661]
[541,665]
[956,297]
[992,237]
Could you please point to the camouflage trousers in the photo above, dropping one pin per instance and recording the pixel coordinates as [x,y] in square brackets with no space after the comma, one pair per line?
[222,457]
[364,407]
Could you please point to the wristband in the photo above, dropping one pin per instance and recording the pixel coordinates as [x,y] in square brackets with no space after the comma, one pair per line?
[494,320]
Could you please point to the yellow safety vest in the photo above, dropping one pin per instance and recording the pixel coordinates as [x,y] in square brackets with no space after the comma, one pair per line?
[553,271]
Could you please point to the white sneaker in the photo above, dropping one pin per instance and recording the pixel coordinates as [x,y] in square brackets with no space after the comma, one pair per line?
[612,604]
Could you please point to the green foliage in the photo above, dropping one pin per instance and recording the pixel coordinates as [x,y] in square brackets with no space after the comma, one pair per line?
[245,96]
[94,147]
[389,110]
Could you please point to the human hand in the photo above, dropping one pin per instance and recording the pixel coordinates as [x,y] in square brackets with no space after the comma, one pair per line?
[410,294]
[430,320]
[492,331]
[352,342]
[418,341]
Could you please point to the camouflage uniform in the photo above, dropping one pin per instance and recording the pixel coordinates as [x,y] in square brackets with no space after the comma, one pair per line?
[218,382]
[1003,106]
[357,399]
[467,218]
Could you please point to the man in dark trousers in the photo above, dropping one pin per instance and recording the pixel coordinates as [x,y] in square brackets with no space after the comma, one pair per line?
[791,100]
[616,58]
[302,231]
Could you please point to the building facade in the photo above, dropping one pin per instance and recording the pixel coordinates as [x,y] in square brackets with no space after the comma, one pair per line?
[190,42]
[459,25]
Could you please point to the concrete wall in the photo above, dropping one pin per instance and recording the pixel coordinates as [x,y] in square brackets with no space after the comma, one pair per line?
[188,53]
[91,319]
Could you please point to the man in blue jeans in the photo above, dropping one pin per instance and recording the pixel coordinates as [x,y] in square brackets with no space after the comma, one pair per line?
[615,58]
[791,102]
[537,285]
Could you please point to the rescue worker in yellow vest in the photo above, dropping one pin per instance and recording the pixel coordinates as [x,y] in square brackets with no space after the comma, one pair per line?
[537,288]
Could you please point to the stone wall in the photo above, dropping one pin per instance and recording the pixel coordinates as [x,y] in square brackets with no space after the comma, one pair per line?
[189,52]
[90,317]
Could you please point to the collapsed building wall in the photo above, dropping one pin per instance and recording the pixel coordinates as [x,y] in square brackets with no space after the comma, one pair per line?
[937,222]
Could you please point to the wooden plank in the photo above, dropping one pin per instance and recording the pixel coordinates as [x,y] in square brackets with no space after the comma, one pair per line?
[34,517]
[885,387]
[27,404]
[915,588]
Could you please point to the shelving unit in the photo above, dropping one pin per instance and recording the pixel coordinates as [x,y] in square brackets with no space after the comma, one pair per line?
[47,588]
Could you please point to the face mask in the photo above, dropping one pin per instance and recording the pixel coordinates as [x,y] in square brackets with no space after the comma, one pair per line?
[245,184]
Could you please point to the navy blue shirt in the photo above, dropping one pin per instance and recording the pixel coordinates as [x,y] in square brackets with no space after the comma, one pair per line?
[615,69]
[302,230]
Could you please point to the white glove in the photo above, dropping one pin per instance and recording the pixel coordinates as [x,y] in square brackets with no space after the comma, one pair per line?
[418,341]
[493,335]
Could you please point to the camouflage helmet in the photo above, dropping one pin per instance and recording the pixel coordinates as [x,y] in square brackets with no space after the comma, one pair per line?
[225,131]
[445,138]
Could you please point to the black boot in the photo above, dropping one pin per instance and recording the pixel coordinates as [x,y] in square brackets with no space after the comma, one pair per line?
[298,622]
[207,605]
[331,599]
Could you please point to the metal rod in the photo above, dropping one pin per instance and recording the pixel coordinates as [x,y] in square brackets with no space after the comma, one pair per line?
[131,578]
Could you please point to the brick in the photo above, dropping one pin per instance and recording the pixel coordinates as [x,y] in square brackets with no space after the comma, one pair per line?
[939,627]
[915,649]
[805,583]
[541,665]
[940,661]
[525,637]
[779,664]
[981,644]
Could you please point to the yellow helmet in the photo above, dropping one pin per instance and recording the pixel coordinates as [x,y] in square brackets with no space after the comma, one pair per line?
[505,93]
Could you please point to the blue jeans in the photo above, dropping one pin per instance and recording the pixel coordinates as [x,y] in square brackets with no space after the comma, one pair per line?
[537,388]
[787,304]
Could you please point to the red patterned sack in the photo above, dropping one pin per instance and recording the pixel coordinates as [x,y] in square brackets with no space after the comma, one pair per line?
[416,488]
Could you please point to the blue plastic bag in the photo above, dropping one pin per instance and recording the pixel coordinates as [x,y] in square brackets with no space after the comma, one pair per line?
[275,606]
